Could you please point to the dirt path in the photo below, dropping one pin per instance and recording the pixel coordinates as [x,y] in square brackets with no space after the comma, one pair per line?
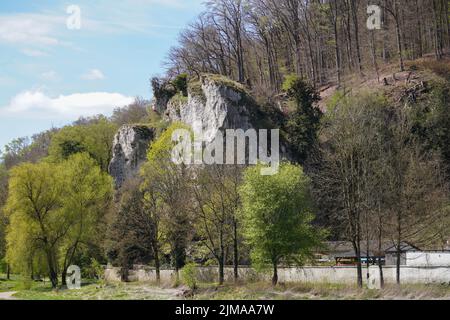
[7,296]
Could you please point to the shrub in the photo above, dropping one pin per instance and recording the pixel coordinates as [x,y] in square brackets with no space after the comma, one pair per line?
[189,275]
[181,83]
[96,270]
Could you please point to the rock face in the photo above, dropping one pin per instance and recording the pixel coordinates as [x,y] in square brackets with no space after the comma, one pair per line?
[215,106]
[129,152]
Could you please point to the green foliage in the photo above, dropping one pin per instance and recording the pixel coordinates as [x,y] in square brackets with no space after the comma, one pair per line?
[161,149]
[431,119]
[54,212]
[189,275]
[95,138]
[166,187]
[3,220]
[277,213]
[131,232]
[304,123]
[181,84]
[95,270]
[335,100]
[85,198]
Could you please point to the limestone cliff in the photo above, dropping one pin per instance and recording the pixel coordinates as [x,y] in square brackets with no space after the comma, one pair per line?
[214,102]
[217,104]
[129,151]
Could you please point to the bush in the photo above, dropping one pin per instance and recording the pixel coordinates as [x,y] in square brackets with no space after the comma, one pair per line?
[189,275]
[181,84]
[96,270]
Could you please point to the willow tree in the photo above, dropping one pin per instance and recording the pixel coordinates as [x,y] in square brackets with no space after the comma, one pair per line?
[37,222]
[54,210]
[85,198]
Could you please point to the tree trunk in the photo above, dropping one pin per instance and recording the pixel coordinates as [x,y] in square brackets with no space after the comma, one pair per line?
[157,265]
[398,264]
[235,251]
[419,28]
[63,277]
[53,278]
[275,274]
[8,272]
[399,37]
[374,56]
[52,274]
[357,249]
[399,249]
[380,239]
[334,15]
[380,267]
[354,10]
[221,270]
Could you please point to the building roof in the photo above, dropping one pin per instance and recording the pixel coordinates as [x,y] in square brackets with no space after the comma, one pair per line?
[344,249]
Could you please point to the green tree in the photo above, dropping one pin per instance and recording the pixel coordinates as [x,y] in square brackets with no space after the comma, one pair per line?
[277,213]
[431,121]
[181,84]
[168,199]
[304,123]
[37,222]
[93,137]
[216,206]
[131,232]
[3,220]
[85,198]
[54,211]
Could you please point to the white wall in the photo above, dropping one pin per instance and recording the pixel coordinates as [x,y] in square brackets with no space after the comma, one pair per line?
[428,259]
[306,274]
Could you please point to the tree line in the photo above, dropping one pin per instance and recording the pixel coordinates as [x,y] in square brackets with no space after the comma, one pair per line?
[375,167]
[259,42]
[370,170]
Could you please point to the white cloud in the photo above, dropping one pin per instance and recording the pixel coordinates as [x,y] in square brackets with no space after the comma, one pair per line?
[30,29]
[37,104]
[93,74]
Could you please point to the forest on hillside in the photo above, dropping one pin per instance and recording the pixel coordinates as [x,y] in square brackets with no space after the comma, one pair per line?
[372,165]
[259,42]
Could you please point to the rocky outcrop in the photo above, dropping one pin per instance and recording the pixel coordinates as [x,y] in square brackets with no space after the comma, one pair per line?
[129,152]
[216,104]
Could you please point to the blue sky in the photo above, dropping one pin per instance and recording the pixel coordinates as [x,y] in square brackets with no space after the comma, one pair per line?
[50,74]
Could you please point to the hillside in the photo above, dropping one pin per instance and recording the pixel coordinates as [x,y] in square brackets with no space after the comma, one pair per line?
[391,82]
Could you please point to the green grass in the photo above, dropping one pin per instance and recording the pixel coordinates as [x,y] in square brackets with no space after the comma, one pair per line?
[209,291]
